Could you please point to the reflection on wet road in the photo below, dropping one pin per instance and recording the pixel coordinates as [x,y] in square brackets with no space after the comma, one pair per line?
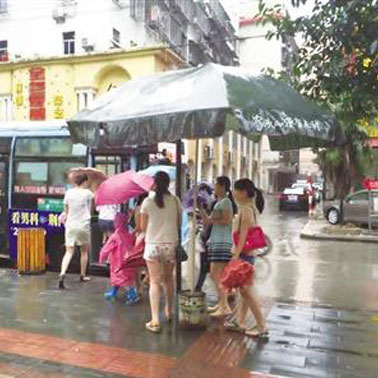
[338,274]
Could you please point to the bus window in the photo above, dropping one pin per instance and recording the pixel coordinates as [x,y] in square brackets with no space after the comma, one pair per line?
[58,176]
[49,147]
[31,177]
[109,165]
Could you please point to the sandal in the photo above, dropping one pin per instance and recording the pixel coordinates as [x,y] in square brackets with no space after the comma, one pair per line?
[84,278]
[234,326]
[212,309]
[254,332]
[219,313]
[154,328]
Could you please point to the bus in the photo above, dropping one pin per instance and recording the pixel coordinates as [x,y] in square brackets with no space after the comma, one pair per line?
[35,158]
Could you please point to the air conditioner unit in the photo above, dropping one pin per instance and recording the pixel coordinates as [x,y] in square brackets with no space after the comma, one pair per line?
[209,153]
[59,15]
[87,44]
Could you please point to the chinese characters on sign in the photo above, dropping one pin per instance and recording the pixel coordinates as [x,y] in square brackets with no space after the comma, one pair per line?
[19,99]
[37,93]
[22,218]
[58,107]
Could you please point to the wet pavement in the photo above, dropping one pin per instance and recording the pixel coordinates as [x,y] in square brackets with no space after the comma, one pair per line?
[320,298]
[332,273]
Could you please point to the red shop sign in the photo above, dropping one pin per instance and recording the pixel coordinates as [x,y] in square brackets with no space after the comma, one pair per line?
[370,184]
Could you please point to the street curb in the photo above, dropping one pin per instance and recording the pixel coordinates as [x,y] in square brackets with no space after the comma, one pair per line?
[305,234]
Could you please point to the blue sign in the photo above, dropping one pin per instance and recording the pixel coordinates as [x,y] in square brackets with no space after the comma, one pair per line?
[23,218]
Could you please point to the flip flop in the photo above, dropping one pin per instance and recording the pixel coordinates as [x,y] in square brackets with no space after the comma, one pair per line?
[212,309]
[233,326]
[220,314]
[154,328]
[254,332]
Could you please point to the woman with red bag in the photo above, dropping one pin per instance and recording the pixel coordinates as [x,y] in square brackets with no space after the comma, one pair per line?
[250,202]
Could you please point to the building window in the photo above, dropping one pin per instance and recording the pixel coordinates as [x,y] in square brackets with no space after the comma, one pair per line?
[3,51]
[116,35]
[69,43]
[116,38]
[3,6]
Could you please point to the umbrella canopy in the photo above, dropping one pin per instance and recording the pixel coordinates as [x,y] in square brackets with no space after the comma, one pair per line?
[119,188]
[153,169]
[204,102]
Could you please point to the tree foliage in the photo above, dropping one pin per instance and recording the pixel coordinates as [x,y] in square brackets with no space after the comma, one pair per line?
[336,64]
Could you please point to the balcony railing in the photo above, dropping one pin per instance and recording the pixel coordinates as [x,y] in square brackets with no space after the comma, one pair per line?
[200,18]
[186,7]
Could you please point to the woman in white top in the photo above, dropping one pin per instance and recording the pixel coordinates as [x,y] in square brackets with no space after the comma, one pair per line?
[78,203]
[160,220]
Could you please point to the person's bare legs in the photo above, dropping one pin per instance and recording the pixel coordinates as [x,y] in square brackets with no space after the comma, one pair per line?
[155,272]
[84,256]
[65,264]
[252,302]
[216,270]
[242,312]
[169,289]
[66,260]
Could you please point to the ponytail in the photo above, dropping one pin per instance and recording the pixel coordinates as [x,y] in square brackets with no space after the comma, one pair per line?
[260,202]
[162,182]
[231,198]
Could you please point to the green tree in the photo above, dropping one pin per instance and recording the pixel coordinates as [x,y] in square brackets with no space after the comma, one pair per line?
[335,64]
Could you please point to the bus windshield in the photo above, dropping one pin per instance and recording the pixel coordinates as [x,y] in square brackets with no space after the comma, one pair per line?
[53,147]
[42,164]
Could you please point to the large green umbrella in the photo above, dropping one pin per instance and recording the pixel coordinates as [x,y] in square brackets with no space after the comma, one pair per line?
[204,102]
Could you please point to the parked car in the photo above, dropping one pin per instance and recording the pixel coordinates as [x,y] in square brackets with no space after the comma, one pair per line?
[294,198]
[356,209]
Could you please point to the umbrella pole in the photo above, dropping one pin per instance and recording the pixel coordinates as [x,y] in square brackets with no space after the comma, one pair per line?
[192,250]
[179,195]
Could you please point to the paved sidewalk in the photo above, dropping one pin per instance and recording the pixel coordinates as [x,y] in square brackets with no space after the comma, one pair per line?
[320,229]
[45,332]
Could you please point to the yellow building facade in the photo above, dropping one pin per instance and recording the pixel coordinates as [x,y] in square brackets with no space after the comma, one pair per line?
[56,88]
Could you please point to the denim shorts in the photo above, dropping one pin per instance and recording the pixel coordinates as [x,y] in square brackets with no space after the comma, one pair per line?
[248,258]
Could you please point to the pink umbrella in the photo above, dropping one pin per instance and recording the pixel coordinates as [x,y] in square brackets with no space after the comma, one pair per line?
[119,188]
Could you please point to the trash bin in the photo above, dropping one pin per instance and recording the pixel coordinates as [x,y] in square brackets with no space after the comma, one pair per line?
[192,309]
[31,251]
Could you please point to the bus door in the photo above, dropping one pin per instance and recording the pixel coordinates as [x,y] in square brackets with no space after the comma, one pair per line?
[4,163]
[109,165]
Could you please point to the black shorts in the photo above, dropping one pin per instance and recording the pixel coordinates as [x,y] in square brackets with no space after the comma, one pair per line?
[106,225]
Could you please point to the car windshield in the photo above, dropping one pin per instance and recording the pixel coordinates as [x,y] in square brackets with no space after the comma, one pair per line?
[304,186]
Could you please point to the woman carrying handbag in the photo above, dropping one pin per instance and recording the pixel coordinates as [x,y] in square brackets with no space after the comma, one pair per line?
[250,201]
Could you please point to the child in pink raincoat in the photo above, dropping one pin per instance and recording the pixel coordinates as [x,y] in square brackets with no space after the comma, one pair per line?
[118,246]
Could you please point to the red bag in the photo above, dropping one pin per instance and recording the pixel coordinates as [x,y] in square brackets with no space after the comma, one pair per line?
[237,273]
[255,239]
